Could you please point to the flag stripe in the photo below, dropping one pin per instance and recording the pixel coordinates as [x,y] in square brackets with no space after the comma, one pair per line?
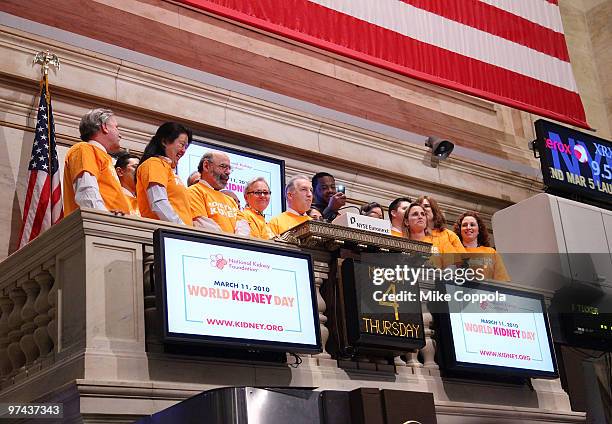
[32,222]
[452,36]
[360,40]
[57,212]
[41,218]
[28,217]
[372,44]
[541,12]
[501,23]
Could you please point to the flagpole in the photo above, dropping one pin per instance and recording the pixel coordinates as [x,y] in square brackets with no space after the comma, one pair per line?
[47,59]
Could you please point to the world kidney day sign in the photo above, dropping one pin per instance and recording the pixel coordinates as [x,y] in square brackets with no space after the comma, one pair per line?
[223,291]
[507,334]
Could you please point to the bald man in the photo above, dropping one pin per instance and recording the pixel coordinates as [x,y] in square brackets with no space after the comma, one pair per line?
[211,209]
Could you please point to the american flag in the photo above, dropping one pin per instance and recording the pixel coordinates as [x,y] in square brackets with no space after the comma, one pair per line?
[43,204]
[509,51]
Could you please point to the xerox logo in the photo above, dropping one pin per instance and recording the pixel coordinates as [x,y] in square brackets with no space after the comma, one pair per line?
[578,151]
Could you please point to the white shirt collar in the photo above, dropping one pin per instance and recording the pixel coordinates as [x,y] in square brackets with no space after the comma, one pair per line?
[127,192]
[98,145]
[294,212]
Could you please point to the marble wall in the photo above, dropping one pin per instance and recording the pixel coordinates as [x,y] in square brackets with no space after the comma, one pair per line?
[276,97]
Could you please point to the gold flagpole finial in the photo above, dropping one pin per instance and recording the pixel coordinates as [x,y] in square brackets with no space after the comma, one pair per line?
[46,59]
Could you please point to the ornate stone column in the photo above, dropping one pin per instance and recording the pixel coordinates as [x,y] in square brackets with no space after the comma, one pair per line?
[15,353]
[152,324]
[52,311]
[28,313]
[321,273]
[429,351]
[6,304]
[41,305]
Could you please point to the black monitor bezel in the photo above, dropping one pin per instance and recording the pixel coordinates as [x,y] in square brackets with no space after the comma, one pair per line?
[168,337]
[446,349]
[563,188]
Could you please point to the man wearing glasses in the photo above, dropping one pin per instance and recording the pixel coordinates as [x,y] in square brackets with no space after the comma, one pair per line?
[211,209]
[257,197]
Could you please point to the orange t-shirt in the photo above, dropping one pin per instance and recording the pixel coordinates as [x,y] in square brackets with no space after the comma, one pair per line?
[490,261]
[157,170]
[446,241]
[133,202]
[286,221]
[86,157]
[210,203]
[257,222]
[396,233]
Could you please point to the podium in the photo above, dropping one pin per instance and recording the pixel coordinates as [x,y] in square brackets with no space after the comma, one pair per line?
[282,405]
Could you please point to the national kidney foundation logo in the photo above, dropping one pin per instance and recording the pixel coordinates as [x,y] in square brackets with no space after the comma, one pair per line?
[217,261]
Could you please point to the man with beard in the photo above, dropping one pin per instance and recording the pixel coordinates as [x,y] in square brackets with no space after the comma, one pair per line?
[211,209]
[326,199]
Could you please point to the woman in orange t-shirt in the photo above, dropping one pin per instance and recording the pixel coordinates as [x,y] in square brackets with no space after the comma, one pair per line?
[160,192]
[445,239]
[473,233]
[257,197]
[414,225]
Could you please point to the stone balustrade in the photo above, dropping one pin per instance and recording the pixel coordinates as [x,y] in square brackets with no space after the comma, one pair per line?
[28,330]
[79,325]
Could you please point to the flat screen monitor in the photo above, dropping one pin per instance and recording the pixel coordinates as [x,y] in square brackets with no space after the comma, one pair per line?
[575,163]
[245,167]
[490,330]
[235,294]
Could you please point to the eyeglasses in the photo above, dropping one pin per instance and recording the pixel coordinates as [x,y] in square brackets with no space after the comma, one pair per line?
[260,193]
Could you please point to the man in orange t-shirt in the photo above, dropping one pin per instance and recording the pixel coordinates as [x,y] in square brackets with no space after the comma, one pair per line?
[90,179]
[211,209]
[125,166]
[299,198]
[397,210]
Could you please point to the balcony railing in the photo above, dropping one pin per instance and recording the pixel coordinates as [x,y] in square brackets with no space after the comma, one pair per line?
[79,326]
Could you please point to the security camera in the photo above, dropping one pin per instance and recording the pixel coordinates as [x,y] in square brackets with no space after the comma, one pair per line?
[440,148]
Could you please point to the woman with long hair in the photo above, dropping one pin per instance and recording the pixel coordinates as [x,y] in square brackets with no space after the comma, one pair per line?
[414,226]
[160,192]
[446,240]
[473,233]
